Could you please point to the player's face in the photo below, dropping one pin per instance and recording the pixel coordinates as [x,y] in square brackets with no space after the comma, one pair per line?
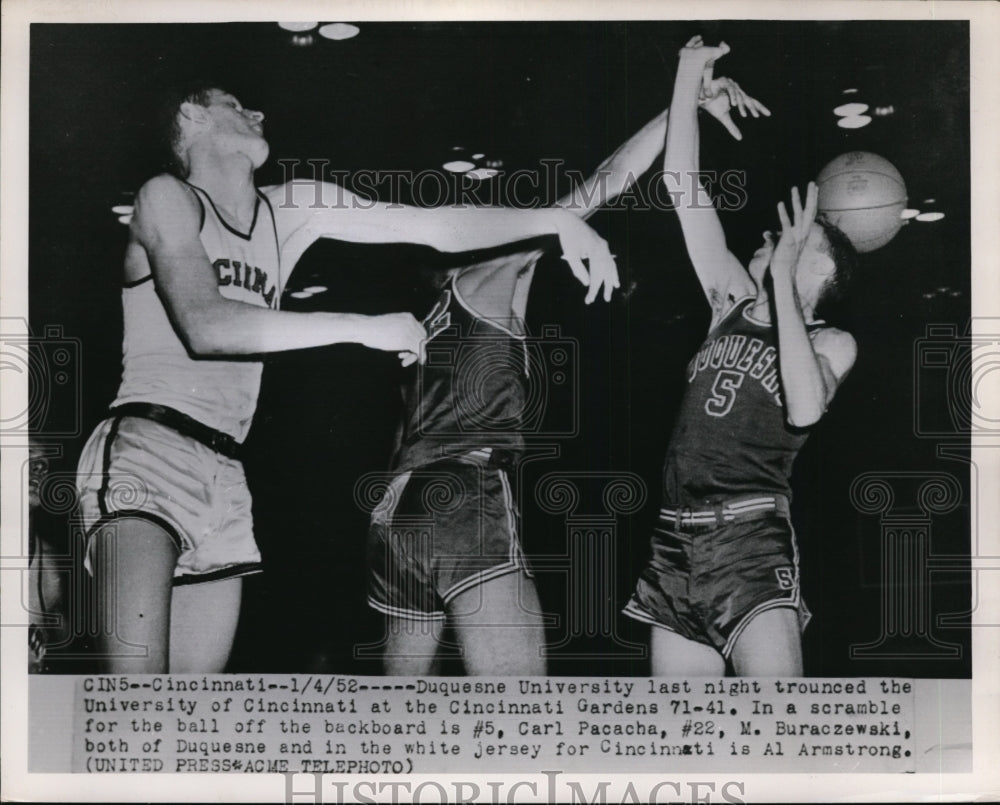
[234,123]
[815,266]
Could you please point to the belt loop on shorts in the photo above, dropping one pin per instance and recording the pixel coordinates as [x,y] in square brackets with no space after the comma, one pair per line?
[216,440]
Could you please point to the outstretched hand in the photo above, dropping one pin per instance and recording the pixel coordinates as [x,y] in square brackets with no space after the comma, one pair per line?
[718,96]
[795,232]
[588,256]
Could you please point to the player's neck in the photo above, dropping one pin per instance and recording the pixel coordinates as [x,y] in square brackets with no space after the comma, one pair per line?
[230,183]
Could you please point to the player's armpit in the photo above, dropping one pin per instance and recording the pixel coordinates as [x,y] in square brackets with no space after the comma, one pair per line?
[720,274]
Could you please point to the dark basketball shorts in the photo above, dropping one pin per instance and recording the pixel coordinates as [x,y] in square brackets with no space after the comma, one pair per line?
[706,581]
[440,530]
[134,467]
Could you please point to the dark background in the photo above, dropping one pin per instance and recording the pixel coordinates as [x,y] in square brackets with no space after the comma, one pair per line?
[402,96]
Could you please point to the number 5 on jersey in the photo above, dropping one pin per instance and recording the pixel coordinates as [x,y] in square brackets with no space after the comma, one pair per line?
[723,392]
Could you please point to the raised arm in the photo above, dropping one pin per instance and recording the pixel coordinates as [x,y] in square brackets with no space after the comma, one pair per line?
[491,283]
[721,275]
[166,226]
[619,171]
[812,368]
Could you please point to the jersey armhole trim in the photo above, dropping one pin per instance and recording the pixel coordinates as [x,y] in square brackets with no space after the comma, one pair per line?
[277,245]
[478,316]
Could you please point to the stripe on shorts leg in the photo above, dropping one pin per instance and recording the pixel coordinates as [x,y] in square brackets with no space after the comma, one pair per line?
[408,614]
[106,466]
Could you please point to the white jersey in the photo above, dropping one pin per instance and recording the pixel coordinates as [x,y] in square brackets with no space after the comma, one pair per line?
[157,368]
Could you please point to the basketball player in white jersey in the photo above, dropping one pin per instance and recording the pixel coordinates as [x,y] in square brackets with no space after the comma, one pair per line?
[162,491]
[722,585]
[444,547]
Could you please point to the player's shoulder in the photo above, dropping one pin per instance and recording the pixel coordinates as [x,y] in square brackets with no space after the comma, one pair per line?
[164,186]
[165,192]
[165,201]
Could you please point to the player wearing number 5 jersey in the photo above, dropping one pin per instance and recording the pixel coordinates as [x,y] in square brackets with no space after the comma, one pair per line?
[723,582]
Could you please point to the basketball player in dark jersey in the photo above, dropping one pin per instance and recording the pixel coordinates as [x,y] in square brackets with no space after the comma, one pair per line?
[444,544]
[162,490]
[723,581]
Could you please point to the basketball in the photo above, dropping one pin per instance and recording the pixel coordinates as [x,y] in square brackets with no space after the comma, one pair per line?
[864,196]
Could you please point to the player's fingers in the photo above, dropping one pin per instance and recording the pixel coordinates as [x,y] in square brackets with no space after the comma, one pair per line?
[812,198]
[745,103]
[759,106]
[796,207]
[738,99]
[786,225]
[611,283]
[595,284]
[707,79]
[731,127]
[694,41]
[577,267]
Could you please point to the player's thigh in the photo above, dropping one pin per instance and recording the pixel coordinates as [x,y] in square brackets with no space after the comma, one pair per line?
[770,645]
[670,654]
[203,624]
[499,627]
[133,561]
[411,646]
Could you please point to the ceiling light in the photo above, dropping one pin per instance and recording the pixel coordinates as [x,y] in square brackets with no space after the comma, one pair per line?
[122,209]
[850,91]
[854,122]
[927,217]
[458,166]
[300,294]
[316,289]
[297,27]
[339,31]
[930,201]
[882,111]
[478,156]
[909,213]
[851,109]
[482,173]
[125,219]
[302,40]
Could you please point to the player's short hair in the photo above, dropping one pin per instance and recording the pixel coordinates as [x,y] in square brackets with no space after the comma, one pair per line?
[168,127]
[845,264]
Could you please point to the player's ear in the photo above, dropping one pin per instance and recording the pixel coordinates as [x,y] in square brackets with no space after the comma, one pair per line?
[193,112]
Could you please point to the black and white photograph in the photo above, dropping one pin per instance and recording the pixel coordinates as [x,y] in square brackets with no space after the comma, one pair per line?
[528,394]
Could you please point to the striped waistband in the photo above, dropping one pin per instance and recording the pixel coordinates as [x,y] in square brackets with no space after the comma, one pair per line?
[489,456]
[725,512]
